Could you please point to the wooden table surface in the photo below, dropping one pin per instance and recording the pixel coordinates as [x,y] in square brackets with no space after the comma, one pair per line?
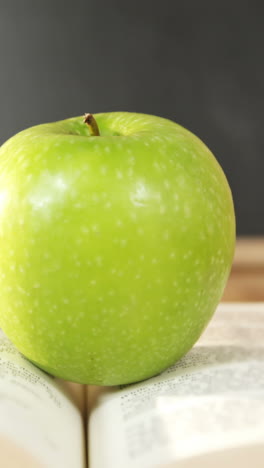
[246,281]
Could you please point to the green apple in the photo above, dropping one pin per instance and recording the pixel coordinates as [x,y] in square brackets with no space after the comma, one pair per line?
[114,248]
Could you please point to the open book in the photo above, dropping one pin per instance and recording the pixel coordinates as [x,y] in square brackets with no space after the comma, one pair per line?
[205,411]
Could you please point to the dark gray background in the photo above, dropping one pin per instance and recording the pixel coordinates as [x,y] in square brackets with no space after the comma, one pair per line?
[199,63]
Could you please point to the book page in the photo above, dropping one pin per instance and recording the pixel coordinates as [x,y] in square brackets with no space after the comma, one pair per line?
[41,423]
[209,406]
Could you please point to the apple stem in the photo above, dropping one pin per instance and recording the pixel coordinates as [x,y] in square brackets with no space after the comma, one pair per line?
[92,124]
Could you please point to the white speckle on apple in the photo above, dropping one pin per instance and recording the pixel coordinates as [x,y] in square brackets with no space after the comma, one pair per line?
[131,160]
[187,211]
[210,228]
[108,205]
[199,276]
[130,172]
[97,148]
[119,174]
[37,157]
[24,163]
[158,139]
[85,229]
[166,235]
[95,197]
[156,165]
[158,196]
[78,205]
[162,209]
[167,184]
[99,261]
[133,216]
[140,195]
[104,170]
[187,255]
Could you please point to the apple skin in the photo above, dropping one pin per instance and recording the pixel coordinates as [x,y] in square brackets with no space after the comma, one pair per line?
[114,249]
